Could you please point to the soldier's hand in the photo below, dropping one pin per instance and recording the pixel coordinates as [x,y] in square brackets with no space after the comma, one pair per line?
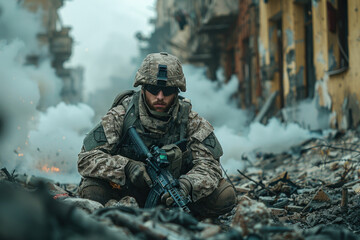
[173,152]
[185,189]
[135,171]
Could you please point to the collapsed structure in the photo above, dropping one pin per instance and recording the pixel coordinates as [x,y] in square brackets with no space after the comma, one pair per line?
[282,52]
[55,38]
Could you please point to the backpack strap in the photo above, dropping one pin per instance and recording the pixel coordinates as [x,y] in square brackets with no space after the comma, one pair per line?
[121,96]
[185,107]
[132,112]
[96,137]
[130,115]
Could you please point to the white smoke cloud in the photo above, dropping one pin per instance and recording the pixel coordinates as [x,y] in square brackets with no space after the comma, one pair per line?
[42,133]
[19,96]
[57,139]
[18,23]
[308,114]
[212,99]
[105,45]
[33,139]
[275,137]
[102,99]
[48,83]
[29,136]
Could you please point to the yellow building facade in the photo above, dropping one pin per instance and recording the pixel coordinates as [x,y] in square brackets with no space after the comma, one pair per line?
[311,49]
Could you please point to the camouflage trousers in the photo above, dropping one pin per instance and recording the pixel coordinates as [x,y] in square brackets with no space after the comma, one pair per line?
[221,201]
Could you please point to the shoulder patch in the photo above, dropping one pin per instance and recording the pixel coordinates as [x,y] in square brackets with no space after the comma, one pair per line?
[96,137]
[212,143]
[198,127]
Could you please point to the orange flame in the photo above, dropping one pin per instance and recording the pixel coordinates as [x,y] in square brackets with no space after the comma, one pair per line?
[45,168]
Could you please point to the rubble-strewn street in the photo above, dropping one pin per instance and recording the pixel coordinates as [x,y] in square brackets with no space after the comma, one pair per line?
[310,192]
[269,87]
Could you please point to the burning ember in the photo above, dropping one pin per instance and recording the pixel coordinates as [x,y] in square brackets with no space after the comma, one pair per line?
[45,168]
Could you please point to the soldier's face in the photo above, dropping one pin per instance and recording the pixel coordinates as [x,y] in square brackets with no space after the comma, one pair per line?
[159,102]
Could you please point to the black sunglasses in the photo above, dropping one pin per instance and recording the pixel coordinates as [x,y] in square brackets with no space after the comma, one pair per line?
[154,90]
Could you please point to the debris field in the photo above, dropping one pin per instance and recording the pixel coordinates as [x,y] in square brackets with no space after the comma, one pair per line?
[312,191]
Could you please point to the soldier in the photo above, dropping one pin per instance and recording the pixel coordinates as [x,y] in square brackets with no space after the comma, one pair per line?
[161,118]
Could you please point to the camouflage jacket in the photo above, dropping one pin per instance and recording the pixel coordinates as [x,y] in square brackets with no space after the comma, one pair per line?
[204,174]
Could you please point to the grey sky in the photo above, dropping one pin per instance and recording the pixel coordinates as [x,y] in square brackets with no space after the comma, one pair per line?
[104,31]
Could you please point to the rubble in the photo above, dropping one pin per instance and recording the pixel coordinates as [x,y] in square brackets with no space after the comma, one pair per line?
[250,215]
[314,183]
[310,192]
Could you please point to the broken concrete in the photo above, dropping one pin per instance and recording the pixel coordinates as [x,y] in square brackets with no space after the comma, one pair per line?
[283,196]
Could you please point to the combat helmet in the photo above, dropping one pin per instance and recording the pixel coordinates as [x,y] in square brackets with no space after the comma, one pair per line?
[161,69]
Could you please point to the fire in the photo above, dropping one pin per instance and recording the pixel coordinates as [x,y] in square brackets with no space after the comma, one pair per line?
[45,168]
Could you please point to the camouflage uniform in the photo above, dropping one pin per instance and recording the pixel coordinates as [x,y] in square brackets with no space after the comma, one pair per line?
[199,164]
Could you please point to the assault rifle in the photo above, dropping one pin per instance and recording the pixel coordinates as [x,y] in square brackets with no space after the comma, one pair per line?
[156,163]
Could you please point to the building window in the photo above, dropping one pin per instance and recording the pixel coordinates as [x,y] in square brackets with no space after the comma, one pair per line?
[338,51]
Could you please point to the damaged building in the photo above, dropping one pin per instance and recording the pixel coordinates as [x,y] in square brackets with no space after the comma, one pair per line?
[309,49]
[56,38]
[282,52]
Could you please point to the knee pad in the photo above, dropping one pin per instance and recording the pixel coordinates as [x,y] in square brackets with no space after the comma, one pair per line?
[95,190]
[225,198]
[221,201]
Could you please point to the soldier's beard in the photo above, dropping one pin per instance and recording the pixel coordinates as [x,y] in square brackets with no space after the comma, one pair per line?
[159,106]
[165,115]
[162,104]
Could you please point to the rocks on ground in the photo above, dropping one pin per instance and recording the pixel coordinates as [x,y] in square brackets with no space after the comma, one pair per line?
[310,192]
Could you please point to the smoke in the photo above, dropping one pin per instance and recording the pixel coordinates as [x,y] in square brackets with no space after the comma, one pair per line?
[308,114]
[18,23]
[19,96]
[102,100]
[57,139]
[29,134]
[212,99]
[39,134]
[106,45]
[31,138]
[49,85]
[275,137]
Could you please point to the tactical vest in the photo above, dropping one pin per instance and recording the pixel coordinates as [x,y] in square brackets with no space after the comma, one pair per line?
[177,130]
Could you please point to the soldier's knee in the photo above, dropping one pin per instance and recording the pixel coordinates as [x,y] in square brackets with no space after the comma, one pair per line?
[225,197]
[221,201]
[94,189]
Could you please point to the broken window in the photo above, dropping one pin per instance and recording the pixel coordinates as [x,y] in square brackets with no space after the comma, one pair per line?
[309,49]
[338,53]
[343,33]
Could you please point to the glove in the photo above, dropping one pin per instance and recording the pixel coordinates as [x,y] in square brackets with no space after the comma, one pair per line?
[174,156]
[136,173]
[173,152]
[185,189]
